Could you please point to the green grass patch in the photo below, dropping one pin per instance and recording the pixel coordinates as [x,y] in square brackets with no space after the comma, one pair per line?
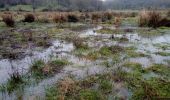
[163,53]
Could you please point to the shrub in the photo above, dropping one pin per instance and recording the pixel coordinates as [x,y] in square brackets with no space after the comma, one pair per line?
[72,18]
[154,19]
[59,18]
[149,18]
[79,43]
[8,20]
[29,18]
[117,21]
[165,22]
[96,17]
[143,18]
[107,16]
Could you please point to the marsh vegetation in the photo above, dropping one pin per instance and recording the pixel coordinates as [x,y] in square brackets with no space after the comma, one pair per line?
[84,55]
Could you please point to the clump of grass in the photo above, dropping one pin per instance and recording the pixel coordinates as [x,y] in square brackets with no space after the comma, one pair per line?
[29,18]
[11,54]
[90,94]
[68,88]
[134,66]
[117,21]
[123,39]
[163,53]
[160,69]
[106,86]
[41,70]
[131,52]
[8,20]
[105,31]
[93,55]
[79,43]
[43,43]
[116,49]
[61,91]
[134,54]
[15,82]
[105,51]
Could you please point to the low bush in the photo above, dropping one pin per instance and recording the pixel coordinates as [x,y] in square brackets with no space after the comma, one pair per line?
[60,18]
[107,16]
[95,17]
[72,18]
[8,20]
[29,18]
[152,19]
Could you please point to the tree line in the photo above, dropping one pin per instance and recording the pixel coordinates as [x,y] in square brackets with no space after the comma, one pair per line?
[91,5]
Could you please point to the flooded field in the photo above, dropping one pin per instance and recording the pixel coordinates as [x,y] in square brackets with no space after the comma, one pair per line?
[84,58]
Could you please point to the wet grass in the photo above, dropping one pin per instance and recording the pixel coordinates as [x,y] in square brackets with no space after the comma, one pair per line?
[41,70]
[110,31]
[91,88]
[15,82]
[18,40]
[132,53]
[104,52]
[164,46]
[163,53]
[160,69]
[103,86]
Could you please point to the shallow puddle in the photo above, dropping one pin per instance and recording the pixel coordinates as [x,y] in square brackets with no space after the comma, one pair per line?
[81,68]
